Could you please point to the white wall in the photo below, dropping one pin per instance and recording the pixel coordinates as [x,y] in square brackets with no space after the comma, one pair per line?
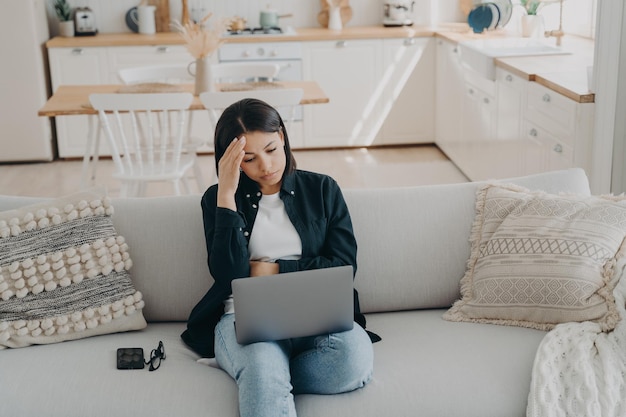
[110,14]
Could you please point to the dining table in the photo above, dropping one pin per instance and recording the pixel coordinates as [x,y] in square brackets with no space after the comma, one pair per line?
[68,100]
[74,99]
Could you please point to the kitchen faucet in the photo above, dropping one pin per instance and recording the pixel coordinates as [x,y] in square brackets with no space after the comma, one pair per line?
[558,33]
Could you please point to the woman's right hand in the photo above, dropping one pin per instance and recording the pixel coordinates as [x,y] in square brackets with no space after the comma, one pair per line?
[229,173]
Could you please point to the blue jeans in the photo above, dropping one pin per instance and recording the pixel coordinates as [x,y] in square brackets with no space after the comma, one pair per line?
[268,374]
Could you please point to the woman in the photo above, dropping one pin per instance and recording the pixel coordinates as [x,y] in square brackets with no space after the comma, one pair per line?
[265,217]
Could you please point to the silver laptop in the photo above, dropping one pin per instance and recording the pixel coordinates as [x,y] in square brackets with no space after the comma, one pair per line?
[293,304]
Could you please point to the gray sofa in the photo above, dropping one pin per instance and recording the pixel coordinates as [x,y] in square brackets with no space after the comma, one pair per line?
[413,248]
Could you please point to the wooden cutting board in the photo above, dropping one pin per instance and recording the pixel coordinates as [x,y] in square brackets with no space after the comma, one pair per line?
[346,13]
[466,6]
[162,15]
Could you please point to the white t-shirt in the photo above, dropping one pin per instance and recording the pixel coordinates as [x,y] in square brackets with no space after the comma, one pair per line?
[273,236]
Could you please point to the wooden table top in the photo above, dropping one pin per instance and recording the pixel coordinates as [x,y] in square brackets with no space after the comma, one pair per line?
[74,99]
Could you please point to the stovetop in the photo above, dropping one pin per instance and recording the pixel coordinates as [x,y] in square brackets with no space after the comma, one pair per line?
[260,31]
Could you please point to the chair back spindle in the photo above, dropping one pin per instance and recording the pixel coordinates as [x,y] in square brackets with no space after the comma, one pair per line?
[146,133]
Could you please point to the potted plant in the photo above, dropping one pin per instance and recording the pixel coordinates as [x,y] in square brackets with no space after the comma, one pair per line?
[531,6]
[532,23]
[64,13]
[201,41]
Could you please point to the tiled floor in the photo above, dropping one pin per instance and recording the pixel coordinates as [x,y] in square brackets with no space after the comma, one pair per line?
[352,168]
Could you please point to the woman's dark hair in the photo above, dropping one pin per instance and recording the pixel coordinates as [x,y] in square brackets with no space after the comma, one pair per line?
[250,115]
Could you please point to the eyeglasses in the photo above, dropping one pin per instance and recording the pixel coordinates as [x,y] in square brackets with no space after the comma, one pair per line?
[156,356]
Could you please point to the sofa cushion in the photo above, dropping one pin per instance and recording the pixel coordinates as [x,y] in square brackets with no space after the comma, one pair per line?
[541,259]
[414,241]
[424,366]
[64,273]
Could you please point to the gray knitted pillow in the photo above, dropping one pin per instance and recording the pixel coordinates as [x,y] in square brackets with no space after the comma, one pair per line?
[64,273]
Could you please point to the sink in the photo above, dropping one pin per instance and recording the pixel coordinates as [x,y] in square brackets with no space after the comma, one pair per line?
[479,54]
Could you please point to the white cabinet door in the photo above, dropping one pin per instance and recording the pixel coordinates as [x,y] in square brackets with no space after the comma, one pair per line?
[511,102]
[408,112]
[349,72]
[565,126]
[543,151]
[477,123]
[480,157]
[121,57]
[534,158]
[76,66]
[450,88]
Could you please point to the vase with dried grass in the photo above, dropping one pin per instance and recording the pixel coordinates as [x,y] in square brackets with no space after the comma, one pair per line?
[202,41]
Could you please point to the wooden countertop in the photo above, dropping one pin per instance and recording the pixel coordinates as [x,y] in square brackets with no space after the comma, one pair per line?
[300,34]
[565,74]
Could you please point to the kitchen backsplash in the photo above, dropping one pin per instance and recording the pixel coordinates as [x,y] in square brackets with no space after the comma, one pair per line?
[110,14]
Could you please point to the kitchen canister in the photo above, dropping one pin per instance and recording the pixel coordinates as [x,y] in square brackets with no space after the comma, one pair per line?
[145,19]
[334,18]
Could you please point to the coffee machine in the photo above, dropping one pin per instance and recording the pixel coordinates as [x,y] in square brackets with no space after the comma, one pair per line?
[398,13]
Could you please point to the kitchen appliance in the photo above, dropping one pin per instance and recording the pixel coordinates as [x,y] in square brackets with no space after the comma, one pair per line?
[238,30]
[24,90]
[287,55]
[84,22]
[398,13]
[269,18]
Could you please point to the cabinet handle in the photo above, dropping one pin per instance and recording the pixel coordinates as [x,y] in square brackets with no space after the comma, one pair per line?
[78,51]
[533,132]
[546,98]
[409,41]
[509,78]
[163,49]
[558,148]
[455,50]
[341,44]
[471,91]
[486,100]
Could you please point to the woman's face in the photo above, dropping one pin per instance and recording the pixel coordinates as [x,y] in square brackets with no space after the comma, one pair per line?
[264,160]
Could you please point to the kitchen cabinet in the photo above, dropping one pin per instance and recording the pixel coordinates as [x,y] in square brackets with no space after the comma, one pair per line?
[349,72]
[408,111]
[511,99]
[99,65]
[381,92]
[84,65]
[557,131]
[479,115]
[466,114]
[121,57]
[450,86]
[509,127]
[511,91]
[543,151]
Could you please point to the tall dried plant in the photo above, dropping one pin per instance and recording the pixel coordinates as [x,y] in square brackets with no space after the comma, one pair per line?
[200,40]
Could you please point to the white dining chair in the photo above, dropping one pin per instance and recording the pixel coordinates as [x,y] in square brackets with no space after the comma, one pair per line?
[285,100]
[183,73]
[170,74]
[146,133]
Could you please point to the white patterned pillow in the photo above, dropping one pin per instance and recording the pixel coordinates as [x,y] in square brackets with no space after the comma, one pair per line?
[538,260]
[64,273]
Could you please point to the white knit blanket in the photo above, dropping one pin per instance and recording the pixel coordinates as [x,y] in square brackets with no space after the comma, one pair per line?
[580,370]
